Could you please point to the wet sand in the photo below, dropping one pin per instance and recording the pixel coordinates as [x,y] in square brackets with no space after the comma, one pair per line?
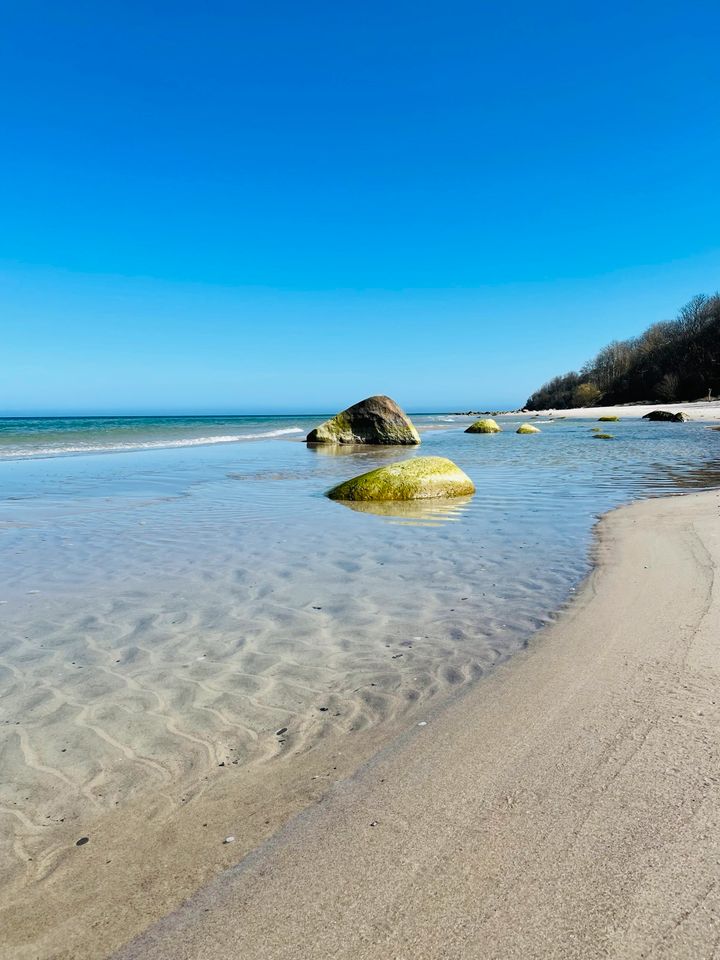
[144,855]
[568,805]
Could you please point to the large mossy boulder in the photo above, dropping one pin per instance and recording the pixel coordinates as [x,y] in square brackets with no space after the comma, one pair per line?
[666,416]
[375,420]
[527,428]
[422,478]
[484,426]
[608,419]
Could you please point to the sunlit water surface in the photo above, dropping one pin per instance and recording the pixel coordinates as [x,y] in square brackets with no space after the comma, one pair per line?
[166,607]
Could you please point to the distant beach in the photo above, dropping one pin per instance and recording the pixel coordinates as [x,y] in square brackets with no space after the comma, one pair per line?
[198,645]
[701,410]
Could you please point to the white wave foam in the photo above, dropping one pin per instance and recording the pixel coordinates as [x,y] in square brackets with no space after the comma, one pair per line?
[59,451]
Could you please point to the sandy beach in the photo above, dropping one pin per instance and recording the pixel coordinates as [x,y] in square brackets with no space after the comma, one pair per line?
[566,806]
[197,644]
[328,629]
[700,410]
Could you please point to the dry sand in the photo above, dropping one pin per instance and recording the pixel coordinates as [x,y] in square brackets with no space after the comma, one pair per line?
[567,806]
[698,410]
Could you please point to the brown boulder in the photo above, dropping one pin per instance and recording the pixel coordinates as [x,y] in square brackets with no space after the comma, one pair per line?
[375,420]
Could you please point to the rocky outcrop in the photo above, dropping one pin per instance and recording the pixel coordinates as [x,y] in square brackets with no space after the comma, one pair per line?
[527,428]
[375,420]
[666,416]
[484,426]
[420,478]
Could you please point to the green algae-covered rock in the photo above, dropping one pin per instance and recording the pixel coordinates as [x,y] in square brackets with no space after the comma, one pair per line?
[667,416]
[421,478]
[527,428]
[374,420]
[484,426]
[608,419]
[603,436]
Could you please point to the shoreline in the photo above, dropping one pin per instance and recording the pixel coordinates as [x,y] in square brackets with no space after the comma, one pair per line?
[147,856]
[699,410]
[565,805]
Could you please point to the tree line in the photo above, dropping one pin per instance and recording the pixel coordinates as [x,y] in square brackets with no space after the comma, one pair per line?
[674,360]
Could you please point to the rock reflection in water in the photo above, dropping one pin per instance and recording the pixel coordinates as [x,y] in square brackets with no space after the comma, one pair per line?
[360,450]
[431,512]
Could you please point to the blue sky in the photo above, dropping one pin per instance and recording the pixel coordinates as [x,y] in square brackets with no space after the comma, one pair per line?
[264,207]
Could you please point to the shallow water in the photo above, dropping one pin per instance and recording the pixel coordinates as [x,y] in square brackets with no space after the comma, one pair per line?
[22,437]
[168,609]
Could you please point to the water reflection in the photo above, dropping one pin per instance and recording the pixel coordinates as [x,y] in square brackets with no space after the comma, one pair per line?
[362,450]
[692,477]
[429,512]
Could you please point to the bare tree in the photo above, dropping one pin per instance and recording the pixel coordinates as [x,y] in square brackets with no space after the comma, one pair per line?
[672,359]
[667,388]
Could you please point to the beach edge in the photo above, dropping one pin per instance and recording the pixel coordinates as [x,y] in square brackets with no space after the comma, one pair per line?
[560,797]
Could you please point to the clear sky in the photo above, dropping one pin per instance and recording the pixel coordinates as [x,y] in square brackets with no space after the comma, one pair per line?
[242,207]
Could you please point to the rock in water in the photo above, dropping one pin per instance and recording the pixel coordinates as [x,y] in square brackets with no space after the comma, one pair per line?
[375,420]
[527,428]
[484,426]
[608,419]
[421,478]
[667,416]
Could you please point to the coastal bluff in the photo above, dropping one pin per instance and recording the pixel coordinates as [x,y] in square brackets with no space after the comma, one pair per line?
[377,420]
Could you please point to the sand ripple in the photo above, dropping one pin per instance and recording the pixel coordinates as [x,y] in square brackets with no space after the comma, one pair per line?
[157,624]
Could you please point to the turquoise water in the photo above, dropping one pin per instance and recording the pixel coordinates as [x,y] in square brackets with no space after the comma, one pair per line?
[190,481]
[58,436]
[176,594]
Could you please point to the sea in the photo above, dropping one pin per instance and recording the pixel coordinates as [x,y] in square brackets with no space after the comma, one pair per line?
[176,590]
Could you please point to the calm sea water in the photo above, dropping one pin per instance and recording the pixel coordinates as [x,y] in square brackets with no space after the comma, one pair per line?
[172,588]
[56,436]
[233,482]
